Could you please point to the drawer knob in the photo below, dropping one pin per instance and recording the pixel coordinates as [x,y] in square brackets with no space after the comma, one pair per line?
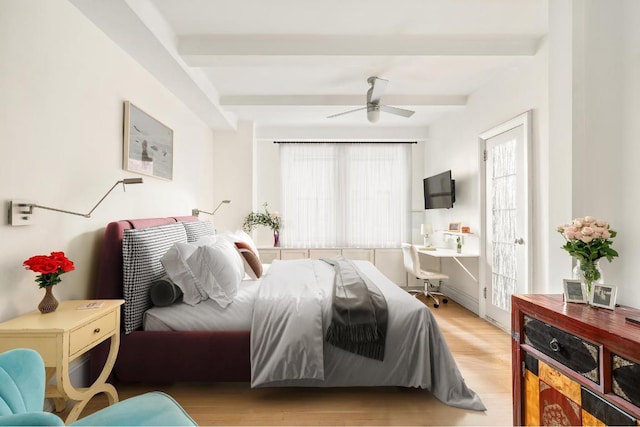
[96,330]
[554,345]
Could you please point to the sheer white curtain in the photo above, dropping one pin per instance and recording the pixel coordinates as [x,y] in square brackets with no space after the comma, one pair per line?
[345,195]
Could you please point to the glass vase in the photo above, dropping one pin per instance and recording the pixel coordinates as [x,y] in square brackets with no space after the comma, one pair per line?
[588,272]
[276,239]
[49,303]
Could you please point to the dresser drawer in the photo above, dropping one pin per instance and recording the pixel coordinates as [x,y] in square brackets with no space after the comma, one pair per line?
[625,378]
[597,412]
[569,350]
[92,333]
[324,253]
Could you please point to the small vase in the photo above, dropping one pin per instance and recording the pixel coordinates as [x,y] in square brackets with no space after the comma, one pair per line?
[276,239]
[49,303]
[589,273]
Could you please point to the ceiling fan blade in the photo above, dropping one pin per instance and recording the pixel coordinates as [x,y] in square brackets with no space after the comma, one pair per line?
[346,112]
[397,111]
[378,87]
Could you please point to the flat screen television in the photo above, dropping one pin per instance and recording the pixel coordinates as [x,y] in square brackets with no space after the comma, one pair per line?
[439,191]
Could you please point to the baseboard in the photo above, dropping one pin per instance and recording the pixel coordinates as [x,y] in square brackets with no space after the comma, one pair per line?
[461,298]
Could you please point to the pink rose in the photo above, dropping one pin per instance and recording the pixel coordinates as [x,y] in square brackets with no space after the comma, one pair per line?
[578,222]
[606,234]
[578,235]
[601,223]
[589,219]
[569,234]
[587,231]
[586,239]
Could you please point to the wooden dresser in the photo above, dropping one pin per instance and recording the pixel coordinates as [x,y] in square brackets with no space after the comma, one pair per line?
[574,364]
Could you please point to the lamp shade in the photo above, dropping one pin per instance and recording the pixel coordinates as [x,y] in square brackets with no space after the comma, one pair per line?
[426,229]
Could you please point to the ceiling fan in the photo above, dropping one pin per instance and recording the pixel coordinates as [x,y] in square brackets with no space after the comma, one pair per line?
[373,107]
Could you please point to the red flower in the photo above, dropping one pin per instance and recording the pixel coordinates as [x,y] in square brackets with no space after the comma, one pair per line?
[50,267]
[65,263]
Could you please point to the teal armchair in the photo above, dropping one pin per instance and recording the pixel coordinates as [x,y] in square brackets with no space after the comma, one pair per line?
[22,384]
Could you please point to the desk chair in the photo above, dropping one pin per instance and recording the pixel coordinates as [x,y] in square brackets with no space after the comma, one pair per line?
[412,265]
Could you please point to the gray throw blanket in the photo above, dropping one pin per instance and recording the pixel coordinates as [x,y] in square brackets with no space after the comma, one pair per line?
[359,313]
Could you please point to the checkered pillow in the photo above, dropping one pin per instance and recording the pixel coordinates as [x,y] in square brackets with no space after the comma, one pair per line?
[141,252]
[197,229]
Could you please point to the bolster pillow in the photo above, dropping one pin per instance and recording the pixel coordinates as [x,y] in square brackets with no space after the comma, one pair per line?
[164,292]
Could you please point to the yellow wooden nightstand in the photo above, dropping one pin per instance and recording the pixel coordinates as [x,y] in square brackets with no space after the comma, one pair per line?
[63,336]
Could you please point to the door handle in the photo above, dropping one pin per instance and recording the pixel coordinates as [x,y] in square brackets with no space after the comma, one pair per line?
[519,241]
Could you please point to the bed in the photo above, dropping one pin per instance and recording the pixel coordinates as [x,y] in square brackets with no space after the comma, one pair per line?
[416,353]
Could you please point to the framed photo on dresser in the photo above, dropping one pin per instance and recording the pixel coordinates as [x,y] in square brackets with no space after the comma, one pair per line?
[603,296]
[575,291]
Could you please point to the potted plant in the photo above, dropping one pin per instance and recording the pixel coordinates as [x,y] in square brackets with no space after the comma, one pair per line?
[264,219]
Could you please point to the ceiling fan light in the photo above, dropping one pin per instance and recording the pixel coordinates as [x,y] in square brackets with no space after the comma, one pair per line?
[373,113]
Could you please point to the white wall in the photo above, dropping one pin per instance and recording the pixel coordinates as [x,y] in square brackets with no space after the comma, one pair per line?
[554,185]
[63,86]
[628,203]
[606,170]
[267,189]
[593,130]
[233,175]
[453,144]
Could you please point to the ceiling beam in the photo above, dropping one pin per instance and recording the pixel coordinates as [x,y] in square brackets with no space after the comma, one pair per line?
[343,100]
[342,133]
[141,31]
[208,49]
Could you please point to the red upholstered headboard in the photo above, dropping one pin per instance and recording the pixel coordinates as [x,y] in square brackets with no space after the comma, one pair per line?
[109,284]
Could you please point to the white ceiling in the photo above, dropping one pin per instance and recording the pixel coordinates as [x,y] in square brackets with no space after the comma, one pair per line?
[294,62]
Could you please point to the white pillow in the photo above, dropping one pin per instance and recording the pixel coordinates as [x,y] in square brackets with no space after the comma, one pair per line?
[205,241]
[219,269]
[251,260]
[175,264]
[241,236]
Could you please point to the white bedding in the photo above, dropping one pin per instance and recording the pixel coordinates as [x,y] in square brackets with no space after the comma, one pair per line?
[206,315]
[287,312]
[285,353]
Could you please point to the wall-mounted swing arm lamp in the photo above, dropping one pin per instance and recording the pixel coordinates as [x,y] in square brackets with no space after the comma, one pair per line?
[196,211]
[20,212]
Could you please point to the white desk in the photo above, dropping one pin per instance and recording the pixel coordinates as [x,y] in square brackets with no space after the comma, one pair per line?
[451,253]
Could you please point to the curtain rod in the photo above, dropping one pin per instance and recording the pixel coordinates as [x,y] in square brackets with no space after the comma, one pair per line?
[345,142]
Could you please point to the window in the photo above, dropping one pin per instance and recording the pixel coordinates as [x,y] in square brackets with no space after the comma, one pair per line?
[345,194]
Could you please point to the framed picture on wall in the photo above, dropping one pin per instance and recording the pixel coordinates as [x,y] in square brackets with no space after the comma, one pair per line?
[575,291]
[454,226]
[603,296]
[148,144]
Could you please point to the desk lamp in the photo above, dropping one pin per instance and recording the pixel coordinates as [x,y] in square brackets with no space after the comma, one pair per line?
[426,230]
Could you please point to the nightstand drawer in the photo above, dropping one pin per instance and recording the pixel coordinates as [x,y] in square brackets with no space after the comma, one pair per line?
[571,351]
[92,333]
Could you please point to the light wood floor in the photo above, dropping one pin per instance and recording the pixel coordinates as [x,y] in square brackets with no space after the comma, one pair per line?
[482,351]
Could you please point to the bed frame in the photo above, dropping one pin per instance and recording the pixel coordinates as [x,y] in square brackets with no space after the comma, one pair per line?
[163,357]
